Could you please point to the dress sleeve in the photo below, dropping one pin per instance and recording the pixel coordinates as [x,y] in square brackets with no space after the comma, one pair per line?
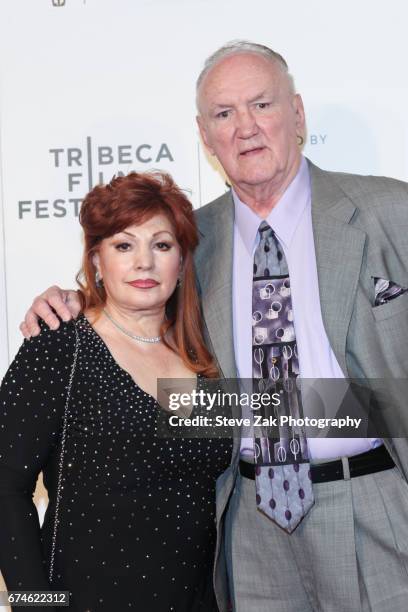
[32,400]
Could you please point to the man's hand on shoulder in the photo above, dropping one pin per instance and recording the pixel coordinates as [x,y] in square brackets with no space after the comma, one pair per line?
[66,305]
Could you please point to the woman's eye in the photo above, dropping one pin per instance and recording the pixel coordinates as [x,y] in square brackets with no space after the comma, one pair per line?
[163,246]
[122,246]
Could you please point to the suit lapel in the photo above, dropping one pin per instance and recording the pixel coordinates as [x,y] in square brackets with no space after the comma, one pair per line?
[339,250]
[339,253]
[214,271]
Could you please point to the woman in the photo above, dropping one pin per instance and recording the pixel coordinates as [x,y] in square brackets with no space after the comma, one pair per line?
[130,522]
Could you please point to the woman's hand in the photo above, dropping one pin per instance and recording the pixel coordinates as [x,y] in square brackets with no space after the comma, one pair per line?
[54,301]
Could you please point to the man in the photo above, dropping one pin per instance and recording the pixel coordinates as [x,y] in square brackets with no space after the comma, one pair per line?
[342,240]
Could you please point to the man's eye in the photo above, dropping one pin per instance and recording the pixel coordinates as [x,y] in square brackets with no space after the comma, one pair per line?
[122,246]
[263,105]
[223,114]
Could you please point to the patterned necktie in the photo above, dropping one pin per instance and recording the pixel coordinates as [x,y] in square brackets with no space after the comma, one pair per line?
[282,470]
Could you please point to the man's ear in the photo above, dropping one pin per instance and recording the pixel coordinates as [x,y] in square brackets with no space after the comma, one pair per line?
[300,115]
[204,134]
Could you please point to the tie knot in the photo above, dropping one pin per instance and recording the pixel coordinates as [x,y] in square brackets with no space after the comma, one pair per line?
[265,230]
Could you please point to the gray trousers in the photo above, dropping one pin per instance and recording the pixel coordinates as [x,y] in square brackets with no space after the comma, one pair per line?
[349,554]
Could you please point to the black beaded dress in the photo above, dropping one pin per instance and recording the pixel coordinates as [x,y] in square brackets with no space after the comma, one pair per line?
[136,519]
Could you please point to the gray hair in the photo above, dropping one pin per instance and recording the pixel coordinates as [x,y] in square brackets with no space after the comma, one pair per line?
[235,47]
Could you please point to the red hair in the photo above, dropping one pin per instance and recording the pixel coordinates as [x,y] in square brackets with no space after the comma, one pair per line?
[133,199]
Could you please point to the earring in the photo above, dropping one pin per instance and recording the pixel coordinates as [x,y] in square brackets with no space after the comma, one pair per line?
[179,283]
[98,280]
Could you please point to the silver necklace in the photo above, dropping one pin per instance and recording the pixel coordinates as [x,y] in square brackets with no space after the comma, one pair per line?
[152,340]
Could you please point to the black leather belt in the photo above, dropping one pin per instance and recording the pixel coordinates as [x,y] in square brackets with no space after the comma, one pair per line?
[372,461]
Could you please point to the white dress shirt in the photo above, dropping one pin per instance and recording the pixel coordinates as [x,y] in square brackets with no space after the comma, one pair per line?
[291,220]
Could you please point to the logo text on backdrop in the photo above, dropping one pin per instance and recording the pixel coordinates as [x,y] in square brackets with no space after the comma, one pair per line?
[85,167]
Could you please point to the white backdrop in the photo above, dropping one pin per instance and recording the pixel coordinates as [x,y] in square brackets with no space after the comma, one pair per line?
[4,351]
[93,87]
[101,86]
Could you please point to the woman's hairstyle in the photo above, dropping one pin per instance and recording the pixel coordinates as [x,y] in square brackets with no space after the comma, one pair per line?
[131,200]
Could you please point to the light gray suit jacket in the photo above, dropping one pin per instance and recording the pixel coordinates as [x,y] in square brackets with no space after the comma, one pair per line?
[360,227]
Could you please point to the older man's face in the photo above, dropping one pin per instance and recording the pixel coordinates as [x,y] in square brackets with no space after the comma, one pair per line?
[250,119]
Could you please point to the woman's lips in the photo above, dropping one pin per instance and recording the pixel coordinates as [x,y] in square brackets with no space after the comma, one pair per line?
[146,283]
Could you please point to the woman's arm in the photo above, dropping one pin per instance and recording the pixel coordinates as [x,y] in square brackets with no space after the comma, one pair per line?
[32,400]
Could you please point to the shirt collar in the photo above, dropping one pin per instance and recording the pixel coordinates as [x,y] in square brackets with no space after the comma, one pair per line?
[285,215]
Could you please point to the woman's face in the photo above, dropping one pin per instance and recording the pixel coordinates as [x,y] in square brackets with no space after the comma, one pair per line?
[140,266]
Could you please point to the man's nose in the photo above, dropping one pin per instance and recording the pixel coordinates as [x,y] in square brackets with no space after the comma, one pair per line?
[246,124]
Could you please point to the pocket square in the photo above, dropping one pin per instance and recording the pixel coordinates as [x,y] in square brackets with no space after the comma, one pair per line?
[385,291]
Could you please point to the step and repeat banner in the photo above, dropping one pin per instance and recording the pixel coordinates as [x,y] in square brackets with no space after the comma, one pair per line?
[93,88]
[4,350]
